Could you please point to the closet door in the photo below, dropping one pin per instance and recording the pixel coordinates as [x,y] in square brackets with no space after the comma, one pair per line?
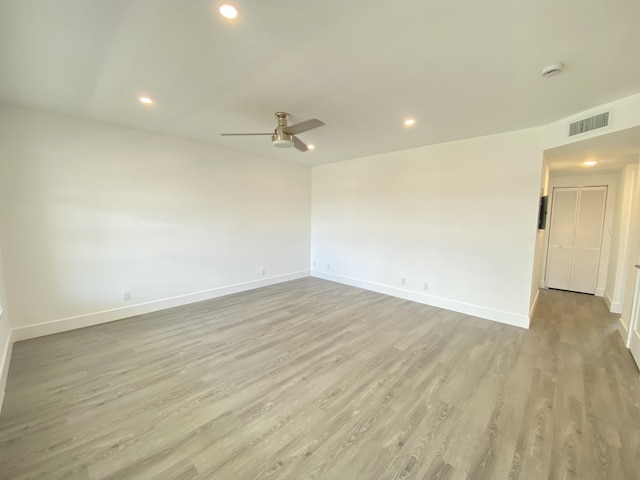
[588,239]
[564,208]
[575,238]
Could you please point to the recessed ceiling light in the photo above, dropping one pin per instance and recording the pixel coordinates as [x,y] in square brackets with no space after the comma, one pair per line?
[589,163]
[311,147]
[228,11]
[145,100]
[410,122]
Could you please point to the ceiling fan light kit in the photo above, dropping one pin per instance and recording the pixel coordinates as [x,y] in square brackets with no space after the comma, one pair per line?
[284,136]
[283,140]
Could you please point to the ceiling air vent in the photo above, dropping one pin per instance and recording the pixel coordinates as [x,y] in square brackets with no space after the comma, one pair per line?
[588,124]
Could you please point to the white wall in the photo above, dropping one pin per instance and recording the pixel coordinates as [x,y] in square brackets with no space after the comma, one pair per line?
[619,258]
[539,257]
[89,210]
[460,216]
[611,181]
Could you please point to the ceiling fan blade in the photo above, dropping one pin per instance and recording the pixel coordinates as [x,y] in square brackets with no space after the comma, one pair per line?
[243,134]
[299,144]
[303,126]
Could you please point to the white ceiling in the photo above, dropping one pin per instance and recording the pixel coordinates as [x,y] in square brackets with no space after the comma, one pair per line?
[461,68]
[612,152]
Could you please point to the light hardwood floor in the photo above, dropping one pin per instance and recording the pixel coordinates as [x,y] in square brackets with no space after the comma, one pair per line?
[315,380]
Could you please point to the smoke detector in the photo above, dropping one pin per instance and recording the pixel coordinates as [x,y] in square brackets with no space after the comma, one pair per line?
[551,70]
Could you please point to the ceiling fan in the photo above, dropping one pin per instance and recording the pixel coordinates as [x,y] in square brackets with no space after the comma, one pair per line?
[284,136]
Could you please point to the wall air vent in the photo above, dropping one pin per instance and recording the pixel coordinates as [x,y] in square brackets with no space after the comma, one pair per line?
[588,124]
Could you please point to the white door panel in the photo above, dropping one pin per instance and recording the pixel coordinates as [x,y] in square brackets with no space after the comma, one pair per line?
[590,217]
[563,216]
[559,267]
[575,238]
[561,238]
[584,275]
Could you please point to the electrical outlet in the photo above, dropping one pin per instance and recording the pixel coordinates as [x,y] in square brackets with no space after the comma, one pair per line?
[425,286]
[314,263]
[263,272]
[403,281]
[126,296]
[328,266]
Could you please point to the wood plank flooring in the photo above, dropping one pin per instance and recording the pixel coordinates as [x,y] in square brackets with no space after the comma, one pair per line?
[314,380]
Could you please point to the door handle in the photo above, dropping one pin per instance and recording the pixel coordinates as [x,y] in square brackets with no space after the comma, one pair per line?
[637,266]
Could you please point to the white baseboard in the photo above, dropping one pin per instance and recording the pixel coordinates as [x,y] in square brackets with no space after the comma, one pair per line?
[5,357]
[614,307]
[624,332]
[599,292]
[454,305]
[532,310]
[89,319]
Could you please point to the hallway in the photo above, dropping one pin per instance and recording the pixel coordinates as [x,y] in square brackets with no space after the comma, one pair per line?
[589,382]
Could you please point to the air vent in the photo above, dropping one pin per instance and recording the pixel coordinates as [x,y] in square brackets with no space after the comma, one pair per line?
[588,124]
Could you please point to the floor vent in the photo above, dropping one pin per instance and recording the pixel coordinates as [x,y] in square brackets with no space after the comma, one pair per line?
[588,124]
